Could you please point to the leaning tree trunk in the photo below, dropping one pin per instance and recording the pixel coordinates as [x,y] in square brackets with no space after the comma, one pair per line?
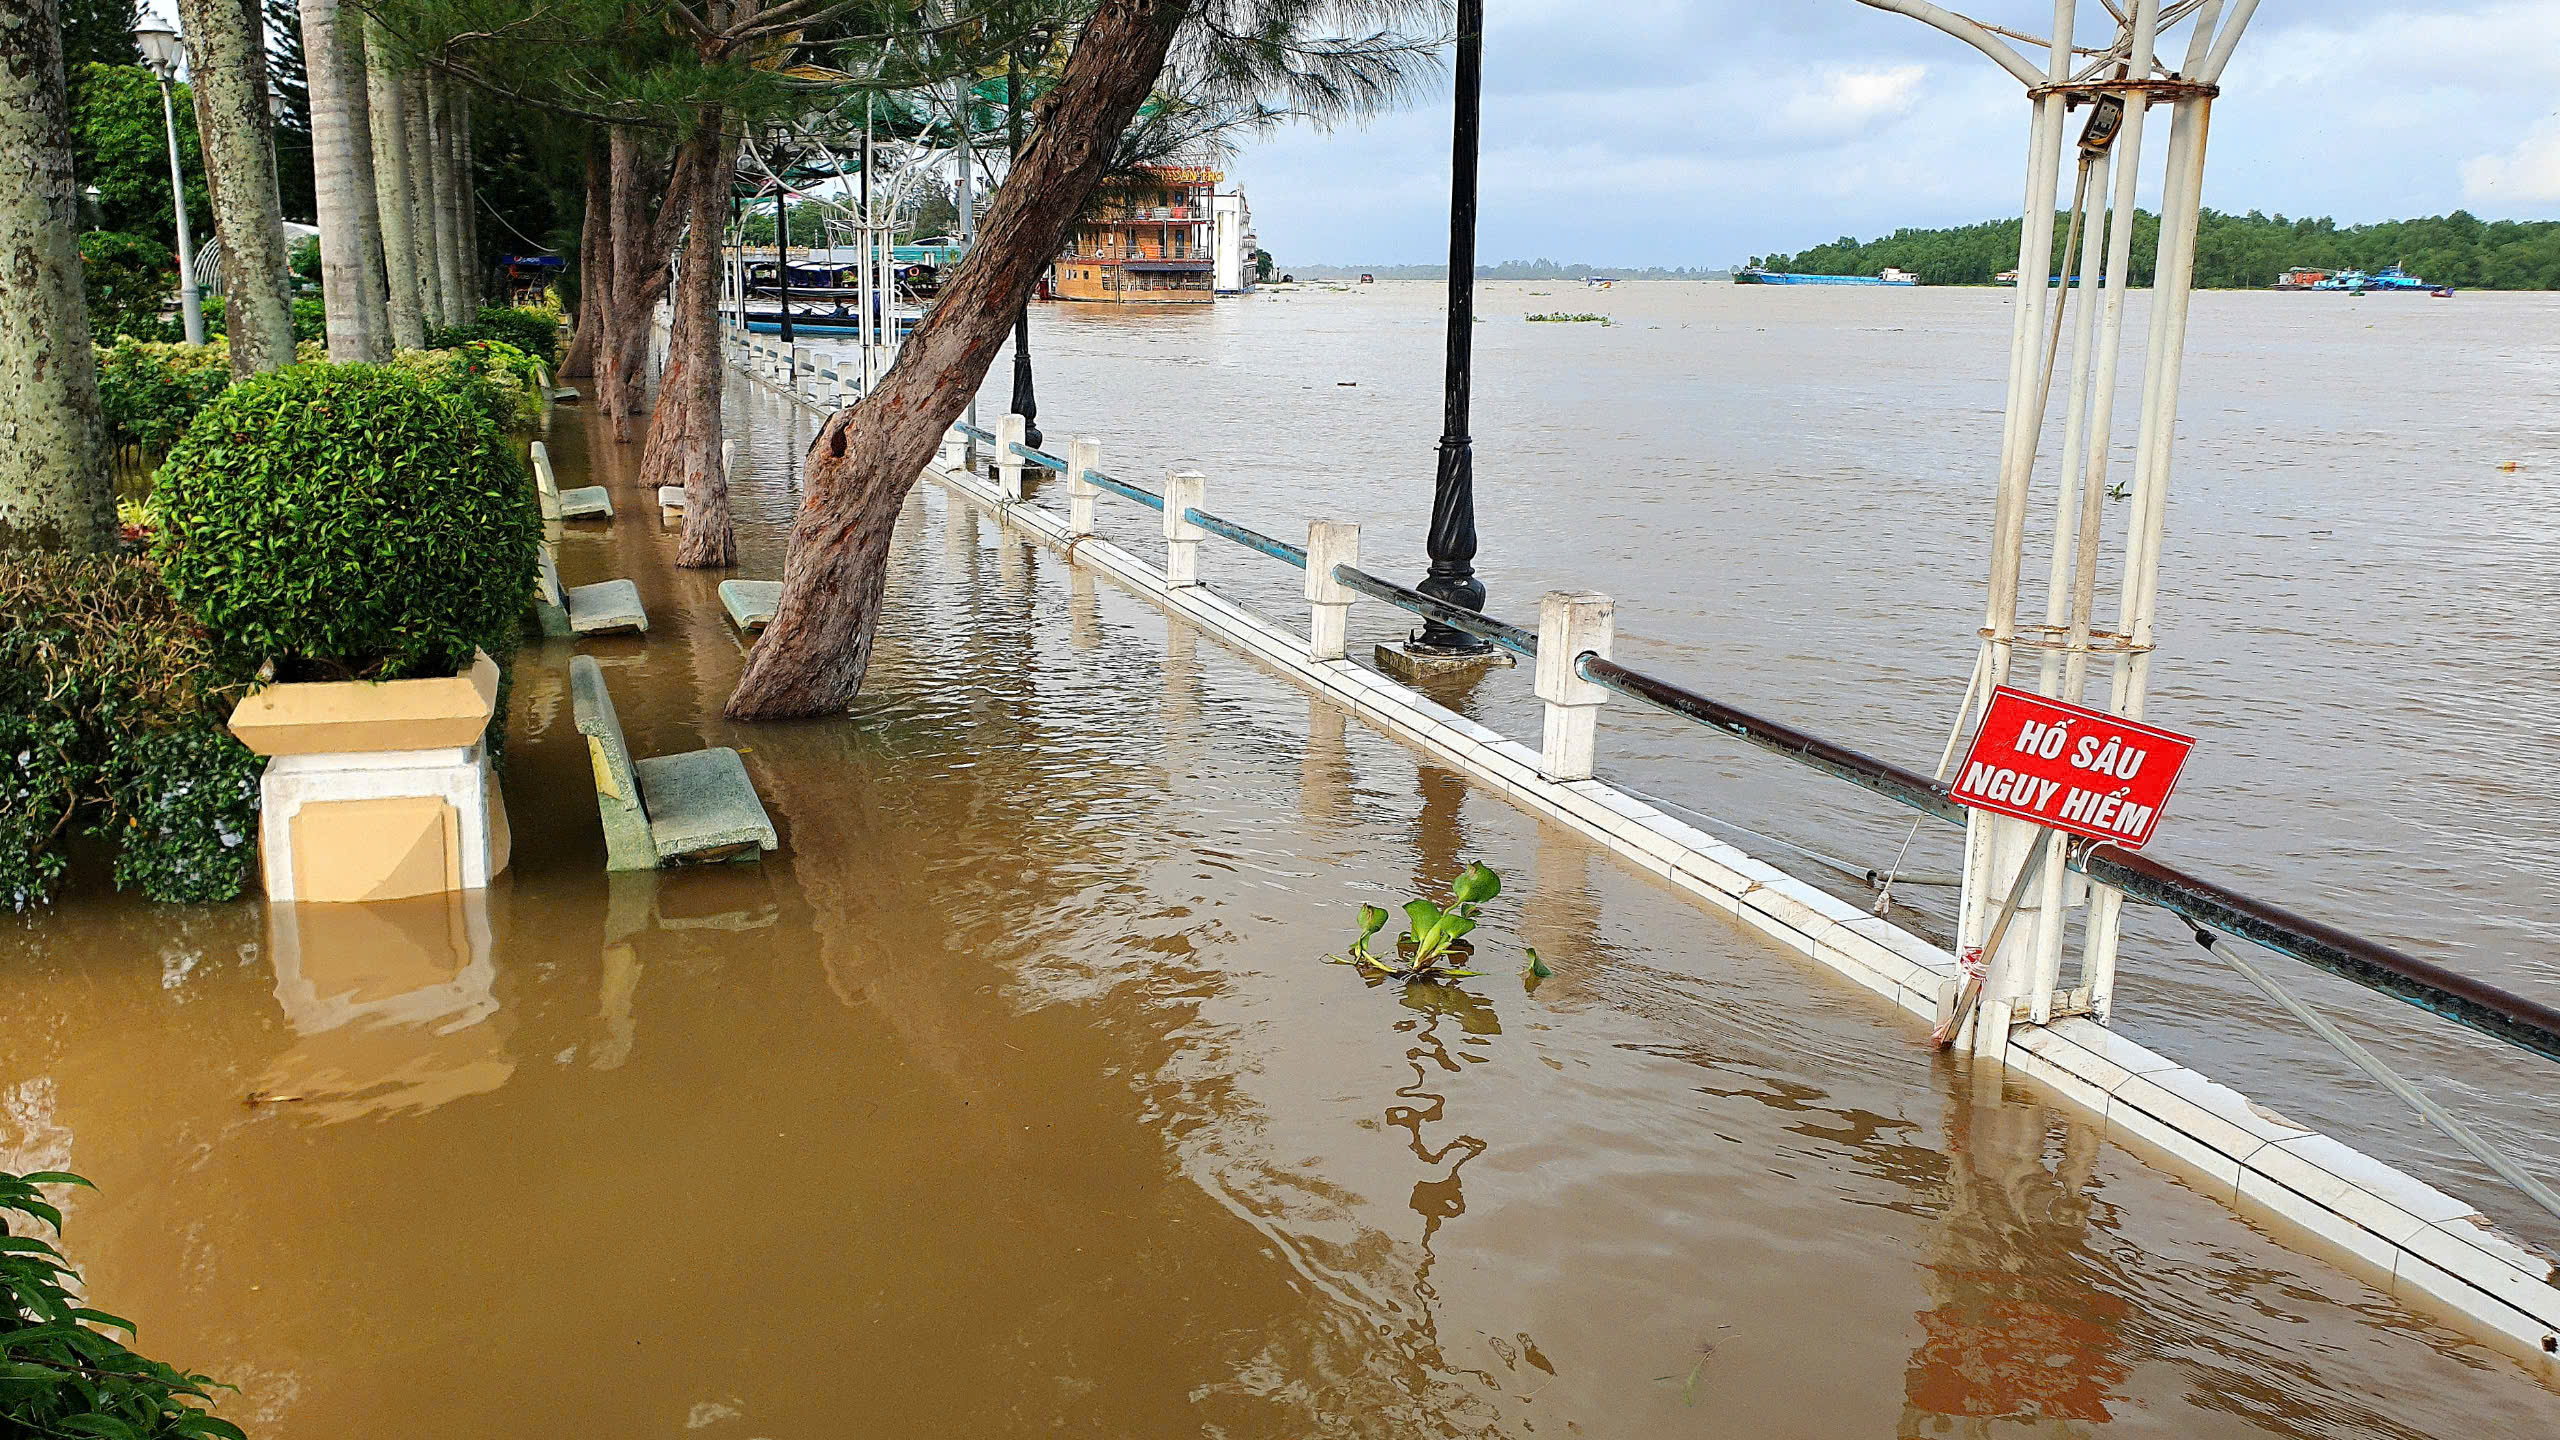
[343,186]
[394,197]
[811,659]
[595,271]
[227,61]
[646,217]
[709,540]
[53,461]
[427,259]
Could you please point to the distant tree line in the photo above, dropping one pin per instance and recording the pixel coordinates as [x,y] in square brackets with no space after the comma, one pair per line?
[1541,269]
[2232,251]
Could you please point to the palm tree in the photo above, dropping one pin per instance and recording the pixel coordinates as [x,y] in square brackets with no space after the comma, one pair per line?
[342,171]
[227,62]
[394,186]
[53,473]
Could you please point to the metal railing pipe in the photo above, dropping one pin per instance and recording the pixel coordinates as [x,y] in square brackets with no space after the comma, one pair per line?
[1908,787]
[1509,637]
[1250,539]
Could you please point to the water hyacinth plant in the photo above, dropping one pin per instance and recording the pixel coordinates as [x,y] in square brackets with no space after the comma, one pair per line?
[1434,946]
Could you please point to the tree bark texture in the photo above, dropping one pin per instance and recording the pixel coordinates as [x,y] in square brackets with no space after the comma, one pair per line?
[359,89]
[648,205]
[422,190]
[595,269]
[710,542]
[53,462]
[811,659]
[466,201]
[226,62]
[394,198]
[343,187]
[440,193]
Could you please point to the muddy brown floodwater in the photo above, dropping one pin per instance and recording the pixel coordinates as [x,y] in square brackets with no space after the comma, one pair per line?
[1012,1097]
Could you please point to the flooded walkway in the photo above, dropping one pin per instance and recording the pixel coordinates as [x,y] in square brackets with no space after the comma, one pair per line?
[1012,1098]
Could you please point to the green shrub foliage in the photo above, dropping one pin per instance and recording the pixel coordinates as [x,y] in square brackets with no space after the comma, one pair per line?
[348,522]
[535,332]
[61,1371]
[150,392]
[112,710]
[124,278]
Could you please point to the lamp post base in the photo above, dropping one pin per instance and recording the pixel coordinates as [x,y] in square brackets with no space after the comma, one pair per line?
[1415,663]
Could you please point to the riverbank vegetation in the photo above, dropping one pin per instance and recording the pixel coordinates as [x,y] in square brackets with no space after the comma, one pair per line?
[2243,252]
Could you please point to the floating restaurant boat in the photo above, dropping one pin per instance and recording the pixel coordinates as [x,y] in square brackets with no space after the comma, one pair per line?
[1754,275]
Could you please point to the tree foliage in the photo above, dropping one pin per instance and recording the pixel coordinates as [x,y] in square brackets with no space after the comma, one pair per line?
[125,279]
[120,144]
[2232,251]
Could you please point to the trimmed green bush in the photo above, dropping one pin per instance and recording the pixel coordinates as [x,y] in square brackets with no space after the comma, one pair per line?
[348,522]
[112,710]
[494,376]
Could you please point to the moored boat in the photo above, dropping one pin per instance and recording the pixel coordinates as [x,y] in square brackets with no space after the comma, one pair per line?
[1754,275]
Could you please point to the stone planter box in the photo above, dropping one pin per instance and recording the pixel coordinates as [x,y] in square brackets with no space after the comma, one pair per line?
[376,791]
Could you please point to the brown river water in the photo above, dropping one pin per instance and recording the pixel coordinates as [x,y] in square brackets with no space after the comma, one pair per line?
[1012,1096]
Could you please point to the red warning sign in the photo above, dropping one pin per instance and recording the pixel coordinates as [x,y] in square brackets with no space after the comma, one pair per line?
[2070,767]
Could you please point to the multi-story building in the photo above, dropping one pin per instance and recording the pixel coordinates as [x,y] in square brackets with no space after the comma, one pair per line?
[1233,241]
[1147,241]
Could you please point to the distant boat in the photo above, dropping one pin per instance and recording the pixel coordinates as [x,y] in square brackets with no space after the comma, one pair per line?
[1754,275]
[2010,277]
[2390,280]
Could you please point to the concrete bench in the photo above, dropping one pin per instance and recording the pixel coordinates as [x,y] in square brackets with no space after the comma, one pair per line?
[670,503]
[604,608]
[669,809]
[751,604]
[587,502]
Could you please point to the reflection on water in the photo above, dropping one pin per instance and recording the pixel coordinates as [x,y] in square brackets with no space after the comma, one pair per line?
[390,1004]
[1013,1097]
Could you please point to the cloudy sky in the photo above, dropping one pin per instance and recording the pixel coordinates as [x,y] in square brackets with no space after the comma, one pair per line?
[1697,132]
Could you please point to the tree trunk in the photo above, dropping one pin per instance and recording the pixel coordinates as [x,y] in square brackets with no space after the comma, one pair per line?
[393,195]
[227,61]
[646,212]
[53,461]
[811,659]
[595,270]
[359,87]
[428,260]
[439,197]
[694,381]
[466,206]
[344,188]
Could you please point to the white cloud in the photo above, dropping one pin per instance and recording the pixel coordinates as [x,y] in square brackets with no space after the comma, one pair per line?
[1848,102]
[2529,174]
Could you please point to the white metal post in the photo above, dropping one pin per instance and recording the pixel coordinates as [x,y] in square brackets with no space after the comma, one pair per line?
[1010,429]
[1571,623]
[1329,543]
[1084,453]
[1183,490]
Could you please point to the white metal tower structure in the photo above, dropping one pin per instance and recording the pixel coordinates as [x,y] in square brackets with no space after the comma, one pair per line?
[2018,895]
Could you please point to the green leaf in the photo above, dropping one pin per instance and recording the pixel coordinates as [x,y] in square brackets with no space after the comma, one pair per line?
[1476,884]
[1536,969]
[57,1177]
[1372,920]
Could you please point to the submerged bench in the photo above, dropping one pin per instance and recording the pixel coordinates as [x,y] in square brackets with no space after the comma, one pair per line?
[603,608]
[670,502]
[669,809]
[587,502]
[751,604]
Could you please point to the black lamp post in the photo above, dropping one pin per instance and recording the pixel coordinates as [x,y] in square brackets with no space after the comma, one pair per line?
[1452,542]
[1025,403]
[782,254]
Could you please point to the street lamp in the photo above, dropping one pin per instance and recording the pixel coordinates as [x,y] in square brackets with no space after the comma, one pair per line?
[161,52]
[1452,541]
